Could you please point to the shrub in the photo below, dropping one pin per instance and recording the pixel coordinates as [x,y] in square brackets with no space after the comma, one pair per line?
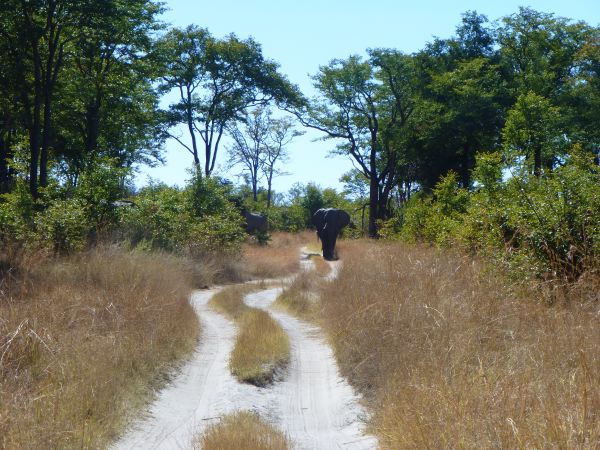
[547,226]
[438,217]
[63,226]
[193,220]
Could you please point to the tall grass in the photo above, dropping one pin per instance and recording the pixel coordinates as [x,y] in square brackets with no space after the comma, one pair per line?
[261,348]
[299,297]
[242,431]
[84,342]
[280,257]
[451,356]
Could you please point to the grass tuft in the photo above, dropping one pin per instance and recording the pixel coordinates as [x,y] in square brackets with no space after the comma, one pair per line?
[262,348]
[244,431]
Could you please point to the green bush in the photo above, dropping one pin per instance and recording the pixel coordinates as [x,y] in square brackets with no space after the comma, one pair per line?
[546,226]
[436,218]
[63,226]
[193,220]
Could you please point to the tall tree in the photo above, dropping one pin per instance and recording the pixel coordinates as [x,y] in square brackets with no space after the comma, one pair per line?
[259,145]
[463,99]
[538,51]
[217,79]
[365,105]
[43,29]
[110,77]
[532,130]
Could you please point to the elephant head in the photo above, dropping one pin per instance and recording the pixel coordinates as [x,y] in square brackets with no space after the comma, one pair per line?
[329,222]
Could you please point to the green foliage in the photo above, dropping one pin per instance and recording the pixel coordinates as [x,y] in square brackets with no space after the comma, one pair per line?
[217,79]
[193,220]
[17,212]
[262,237]
[63,226]
[62,220]
[435,218]
[532,131]
[546,227]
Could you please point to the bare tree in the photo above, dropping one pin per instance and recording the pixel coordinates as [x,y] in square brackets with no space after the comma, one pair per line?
[249,144]
[259,145]
[282,132]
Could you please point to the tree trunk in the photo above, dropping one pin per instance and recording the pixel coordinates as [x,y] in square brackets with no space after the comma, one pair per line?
[34,121]
[465,167]
[92,125]
[269,184]
[537,160]
[190,124]
[254,189]
[5,154]
[46,133]
[373,196]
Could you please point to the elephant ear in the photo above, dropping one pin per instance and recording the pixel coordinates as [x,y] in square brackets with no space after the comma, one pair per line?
[339,217]
[318,219]
[344,218]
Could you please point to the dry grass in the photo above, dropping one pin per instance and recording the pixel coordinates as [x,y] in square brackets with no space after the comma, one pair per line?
[278,258]
[322,267]
[242,431]
[451,357]
[84,342]
[262,348]
[299,297]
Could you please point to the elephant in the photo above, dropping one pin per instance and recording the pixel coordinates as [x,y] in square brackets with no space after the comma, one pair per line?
[329,222]
[254,222]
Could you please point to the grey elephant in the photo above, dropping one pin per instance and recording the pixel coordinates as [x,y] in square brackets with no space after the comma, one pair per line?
[329,222]
[254,222]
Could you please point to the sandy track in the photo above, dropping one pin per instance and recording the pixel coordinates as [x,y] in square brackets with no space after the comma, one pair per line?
[203,391]
[316,408]
[312,404]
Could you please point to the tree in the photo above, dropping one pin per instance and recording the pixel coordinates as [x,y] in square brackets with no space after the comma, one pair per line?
[259,144]
[40,31]
[538,51]
[365,105]
[70,60]
[281,134]
[217,80]
[109,77]
[532,130]
[470,113]
[249,143]
[462,102]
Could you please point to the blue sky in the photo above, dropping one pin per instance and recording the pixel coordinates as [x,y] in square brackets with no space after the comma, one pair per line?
[302,35]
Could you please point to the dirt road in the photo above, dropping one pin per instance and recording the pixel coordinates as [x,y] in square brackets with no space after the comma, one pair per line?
[312,404]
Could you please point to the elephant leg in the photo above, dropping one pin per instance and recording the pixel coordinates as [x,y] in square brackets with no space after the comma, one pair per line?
[328,245]
[333,239]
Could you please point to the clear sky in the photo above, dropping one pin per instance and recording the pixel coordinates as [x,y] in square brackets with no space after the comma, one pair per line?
[302,35]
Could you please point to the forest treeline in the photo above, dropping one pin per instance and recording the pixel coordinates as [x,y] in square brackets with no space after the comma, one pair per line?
[488,139]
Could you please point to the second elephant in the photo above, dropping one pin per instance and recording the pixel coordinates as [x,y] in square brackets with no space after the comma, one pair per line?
[329,222]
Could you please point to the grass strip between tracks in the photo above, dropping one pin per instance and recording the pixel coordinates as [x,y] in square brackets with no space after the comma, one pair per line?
[262,348]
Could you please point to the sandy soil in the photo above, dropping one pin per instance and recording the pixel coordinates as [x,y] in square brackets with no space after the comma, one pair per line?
[312,403]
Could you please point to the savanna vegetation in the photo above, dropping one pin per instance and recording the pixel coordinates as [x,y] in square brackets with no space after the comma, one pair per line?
[86,340]
[478,156]
[452,355]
